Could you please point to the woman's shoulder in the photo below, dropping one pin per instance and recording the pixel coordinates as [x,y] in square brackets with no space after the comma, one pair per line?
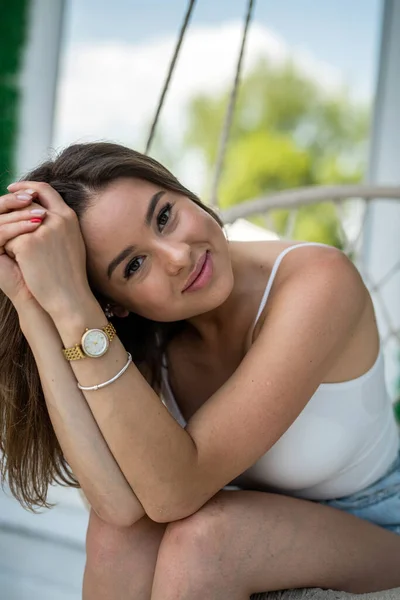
[284,262]
[265,253]
[361,351]
[283,258]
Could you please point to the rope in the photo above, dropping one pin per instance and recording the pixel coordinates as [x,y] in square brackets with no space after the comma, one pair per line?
[170,72]
[223,143]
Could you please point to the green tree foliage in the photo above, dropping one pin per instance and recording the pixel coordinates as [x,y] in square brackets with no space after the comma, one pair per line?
[12,35]
[258,161]
[287,132]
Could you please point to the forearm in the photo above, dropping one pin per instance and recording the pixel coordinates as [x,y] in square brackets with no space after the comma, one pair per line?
[79,436]
[157,456]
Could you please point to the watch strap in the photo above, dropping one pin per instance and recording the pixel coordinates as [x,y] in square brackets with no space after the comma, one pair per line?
[76,352]
[110,330]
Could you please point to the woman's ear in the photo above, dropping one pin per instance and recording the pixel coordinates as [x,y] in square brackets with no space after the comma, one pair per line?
[119,311]
[113,309]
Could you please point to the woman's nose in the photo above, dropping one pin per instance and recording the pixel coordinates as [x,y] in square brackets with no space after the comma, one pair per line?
[176,257]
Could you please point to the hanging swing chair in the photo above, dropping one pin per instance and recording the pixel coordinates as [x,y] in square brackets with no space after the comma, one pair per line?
[293,199]
[223,143]
[296,198]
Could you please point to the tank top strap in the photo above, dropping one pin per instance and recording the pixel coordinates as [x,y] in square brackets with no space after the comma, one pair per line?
[273,274]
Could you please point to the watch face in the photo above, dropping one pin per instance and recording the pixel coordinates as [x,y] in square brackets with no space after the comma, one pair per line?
[95,342]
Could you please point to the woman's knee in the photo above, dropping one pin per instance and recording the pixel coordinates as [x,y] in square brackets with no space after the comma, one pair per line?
[199,536]
[192,551]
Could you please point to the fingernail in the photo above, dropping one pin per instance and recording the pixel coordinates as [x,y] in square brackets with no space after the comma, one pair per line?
[23,197]
[36,220]
[38,211]
[29,192]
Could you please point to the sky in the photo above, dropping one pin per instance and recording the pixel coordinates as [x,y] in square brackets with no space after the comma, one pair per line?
[115,56]
[343,33]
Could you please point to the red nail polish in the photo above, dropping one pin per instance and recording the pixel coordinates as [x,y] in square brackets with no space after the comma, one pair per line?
[36,220]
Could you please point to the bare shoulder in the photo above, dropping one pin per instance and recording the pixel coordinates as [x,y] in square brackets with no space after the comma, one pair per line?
[266,253]
[327,275]
[295,266]
[313,271]
[269,251]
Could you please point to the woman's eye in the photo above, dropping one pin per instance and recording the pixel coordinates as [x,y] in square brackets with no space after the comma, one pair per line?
[163,216]
[133,266]
[162,220]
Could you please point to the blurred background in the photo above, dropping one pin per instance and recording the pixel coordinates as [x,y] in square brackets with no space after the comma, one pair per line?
[317,105]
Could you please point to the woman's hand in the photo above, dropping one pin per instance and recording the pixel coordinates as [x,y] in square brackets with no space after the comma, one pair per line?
[52,259]
[15,215]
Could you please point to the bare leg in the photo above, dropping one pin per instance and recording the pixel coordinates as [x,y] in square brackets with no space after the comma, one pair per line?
[121,560]
[243,542]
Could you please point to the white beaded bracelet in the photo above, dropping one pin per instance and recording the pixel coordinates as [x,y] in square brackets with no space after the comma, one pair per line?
[101,385]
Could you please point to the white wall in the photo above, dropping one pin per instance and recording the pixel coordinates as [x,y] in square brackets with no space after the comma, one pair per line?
[38,82]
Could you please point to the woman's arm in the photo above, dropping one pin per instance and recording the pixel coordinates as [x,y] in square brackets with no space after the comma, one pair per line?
[174,471]
[78,434]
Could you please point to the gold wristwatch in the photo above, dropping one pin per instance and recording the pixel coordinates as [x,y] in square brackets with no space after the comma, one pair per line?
[94,343]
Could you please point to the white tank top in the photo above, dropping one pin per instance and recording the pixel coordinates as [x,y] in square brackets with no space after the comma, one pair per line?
[344,439]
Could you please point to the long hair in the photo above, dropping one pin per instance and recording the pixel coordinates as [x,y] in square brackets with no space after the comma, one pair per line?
[31,455]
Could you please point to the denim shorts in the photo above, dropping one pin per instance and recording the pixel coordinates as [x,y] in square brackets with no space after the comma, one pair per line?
[378,503]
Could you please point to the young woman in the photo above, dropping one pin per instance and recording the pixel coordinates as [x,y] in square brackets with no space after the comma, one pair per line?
[125,291]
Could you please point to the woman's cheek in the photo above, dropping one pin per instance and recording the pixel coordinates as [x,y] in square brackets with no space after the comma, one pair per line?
[153,300]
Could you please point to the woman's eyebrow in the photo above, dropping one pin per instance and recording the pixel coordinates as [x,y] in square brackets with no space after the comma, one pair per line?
[152,206]
[130,249]
[118,259]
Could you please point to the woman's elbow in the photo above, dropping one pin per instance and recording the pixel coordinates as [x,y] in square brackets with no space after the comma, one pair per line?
[121,518]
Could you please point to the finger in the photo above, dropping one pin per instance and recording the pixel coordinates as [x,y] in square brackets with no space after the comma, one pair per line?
[10,202]
[47,195]
[34,210]
[10,231]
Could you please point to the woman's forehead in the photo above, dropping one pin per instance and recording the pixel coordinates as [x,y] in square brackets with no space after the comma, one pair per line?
[125,191]
[122,202]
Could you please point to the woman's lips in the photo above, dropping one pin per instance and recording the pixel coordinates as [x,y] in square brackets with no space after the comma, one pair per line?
[204,275]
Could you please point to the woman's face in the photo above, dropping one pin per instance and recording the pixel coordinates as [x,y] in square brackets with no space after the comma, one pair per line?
[143,245]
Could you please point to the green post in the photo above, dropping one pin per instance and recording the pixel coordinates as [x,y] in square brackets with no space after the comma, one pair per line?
[397,410]
[13,27]
[396,404]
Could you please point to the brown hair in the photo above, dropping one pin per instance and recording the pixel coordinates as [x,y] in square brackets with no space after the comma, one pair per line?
[32,457]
